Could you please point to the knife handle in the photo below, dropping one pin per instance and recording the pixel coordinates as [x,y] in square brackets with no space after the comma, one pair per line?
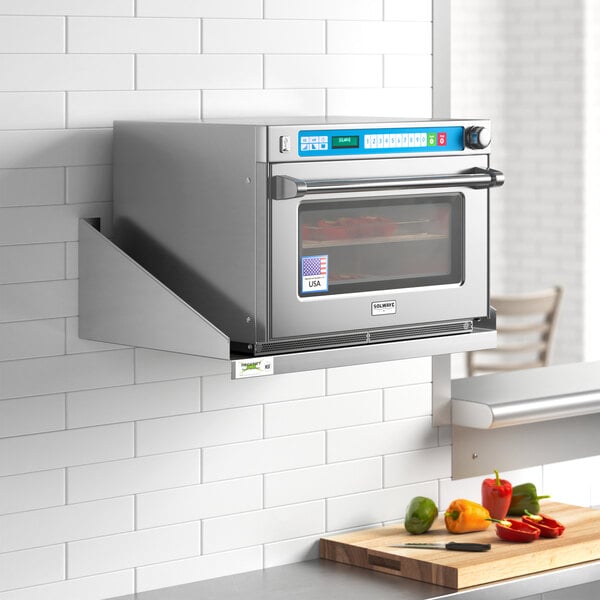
[467,547]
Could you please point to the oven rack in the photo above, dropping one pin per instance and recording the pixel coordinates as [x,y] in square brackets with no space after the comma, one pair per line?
[408,237]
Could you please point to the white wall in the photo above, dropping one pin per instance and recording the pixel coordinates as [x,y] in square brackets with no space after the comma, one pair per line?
[523,63]
[125,469]
[592,160]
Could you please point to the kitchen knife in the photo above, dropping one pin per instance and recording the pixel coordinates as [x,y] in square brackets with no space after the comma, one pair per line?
[461,546]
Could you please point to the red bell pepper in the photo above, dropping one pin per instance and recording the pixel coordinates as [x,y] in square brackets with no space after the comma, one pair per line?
[496,495]
[548,526]
[512,530]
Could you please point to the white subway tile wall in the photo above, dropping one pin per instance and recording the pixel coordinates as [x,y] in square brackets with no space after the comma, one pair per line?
[207,566]
[31,567]
[263,526]
[29,491]
[31,187]
[96,587]
[64,523]
[196,502]
[135,475]
[122,35]
[117,552]
[36,262]
[514,63]
[32,34]
[126,469]
[40,110]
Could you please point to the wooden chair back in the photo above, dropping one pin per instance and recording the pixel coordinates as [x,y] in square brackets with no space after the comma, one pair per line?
[525,324]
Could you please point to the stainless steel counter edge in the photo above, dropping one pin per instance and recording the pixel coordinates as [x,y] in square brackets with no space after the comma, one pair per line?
[322,579]
[527,396]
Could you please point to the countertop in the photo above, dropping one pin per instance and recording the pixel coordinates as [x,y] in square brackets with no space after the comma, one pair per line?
[327,580]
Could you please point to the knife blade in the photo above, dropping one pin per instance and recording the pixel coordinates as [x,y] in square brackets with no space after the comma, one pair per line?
[460,546]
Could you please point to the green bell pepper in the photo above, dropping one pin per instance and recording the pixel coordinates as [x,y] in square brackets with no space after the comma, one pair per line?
[525,499]
[420,515]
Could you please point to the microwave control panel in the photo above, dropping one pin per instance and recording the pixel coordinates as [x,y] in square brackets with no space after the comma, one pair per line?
[364,142]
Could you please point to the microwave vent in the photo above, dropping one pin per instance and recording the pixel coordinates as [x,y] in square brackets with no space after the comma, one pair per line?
[328,341]
[423,331]
[364,337]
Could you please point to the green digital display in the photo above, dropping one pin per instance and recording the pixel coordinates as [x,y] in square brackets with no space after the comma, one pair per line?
[345,141]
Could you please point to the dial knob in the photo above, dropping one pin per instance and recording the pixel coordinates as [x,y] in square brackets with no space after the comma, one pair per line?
[477,138]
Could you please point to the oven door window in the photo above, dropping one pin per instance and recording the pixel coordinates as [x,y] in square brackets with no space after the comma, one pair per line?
[378,244]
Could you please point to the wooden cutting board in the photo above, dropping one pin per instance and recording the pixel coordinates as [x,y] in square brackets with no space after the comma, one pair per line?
[370,549]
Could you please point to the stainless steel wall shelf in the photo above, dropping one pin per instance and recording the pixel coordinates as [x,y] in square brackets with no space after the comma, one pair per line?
[122,303]
[530,396]
[525,418]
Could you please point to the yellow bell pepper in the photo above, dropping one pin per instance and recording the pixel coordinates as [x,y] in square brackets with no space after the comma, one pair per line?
[463,516]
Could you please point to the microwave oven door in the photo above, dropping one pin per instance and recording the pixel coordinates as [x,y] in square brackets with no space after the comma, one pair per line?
[360,253]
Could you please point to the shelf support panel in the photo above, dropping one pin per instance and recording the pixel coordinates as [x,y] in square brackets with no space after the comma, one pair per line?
[122,303]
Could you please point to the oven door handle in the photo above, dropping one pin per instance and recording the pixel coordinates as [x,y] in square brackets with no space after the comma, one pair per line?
[284,187]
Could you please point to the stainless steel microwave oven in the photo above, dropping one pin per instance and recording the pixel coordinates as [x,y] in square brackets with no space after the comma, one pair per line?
[320,233]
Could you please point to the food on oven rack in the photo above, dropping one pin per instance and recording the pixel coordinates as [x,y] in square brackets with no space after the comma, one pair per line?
[347,276]
[349,228]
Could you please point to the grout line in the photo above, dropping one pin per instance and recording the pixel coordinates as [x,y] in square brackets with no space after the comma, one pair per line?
[135,72]
[66,486]
[201,474]
[64,178]
[200,469]
[65,332]
[201,536]
[66,429]
[135,359]
[200,394]
[66,561]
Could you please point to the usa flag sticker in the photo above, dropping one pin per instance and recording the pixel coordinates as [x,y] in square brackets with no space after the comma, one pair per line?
[314,274]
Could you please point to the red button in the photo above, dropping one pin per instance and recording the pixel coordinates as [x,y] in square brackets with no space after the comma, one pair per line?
[442,138]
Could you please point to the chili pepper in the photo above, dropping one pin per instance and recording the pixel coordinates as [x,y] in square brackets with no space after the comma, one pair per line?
[463,516]
[512,530]
[548,526]
[524,497]
[496,495]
